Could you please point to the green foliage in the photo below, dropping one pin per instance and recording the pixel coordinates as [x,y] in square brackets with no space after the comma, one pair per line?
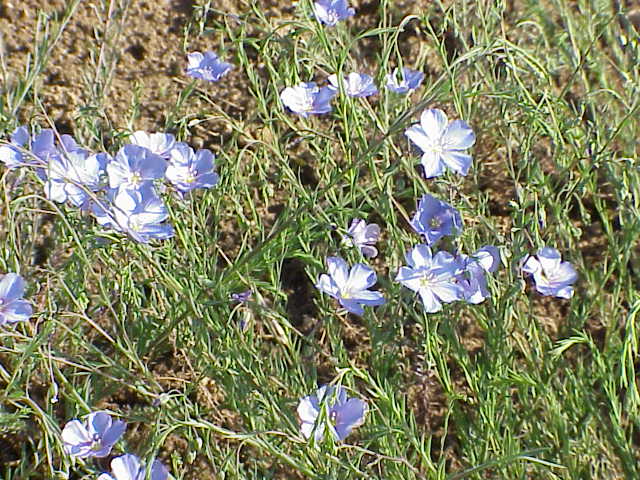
[518,387]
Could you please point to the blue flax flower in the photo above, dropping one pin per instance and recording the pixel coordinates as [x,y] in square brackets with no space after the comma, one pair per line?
[355,84]
[13,154]
[73,174]
[363,237]
[139,213]
[188,170]
[434,219]
[134,167]
[443,143]
[25,150]
[206,66]
[12,307]
[159,143]
[330,12]
[94,437]
[408,81]
[350,287]
[307,98]
[475,268]
[432,277]
[343,414]
[552,276]
[128,467]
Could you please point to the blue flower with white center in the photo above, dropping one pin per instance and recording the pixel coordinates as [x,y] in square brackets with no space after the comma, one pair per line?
[207,66]
[134,167]
[12,307]
[307,98]
[355,84]
[330,12]
[95,437]
[433,277]
[343,413]
[188,170]
[434,219]
[443,143]
[128,467]
[350,287]
[73,174]
[139,213]
[406,82]
[552,276]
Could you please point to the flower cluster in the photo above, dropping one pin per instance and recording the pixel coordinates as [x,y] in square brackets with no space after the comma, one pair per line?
[437,278]
[120,191]
[308,98]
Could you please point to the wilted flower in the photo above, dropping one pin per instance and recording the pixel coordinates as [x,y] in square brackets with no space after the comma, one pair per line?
[434,219]
[473,277]
[12,307]
[363,237]
[206,66]
[307,98]
[432,277]
[94,437]
[443,144]
[128,467]
[72,174]
[188,170]
[350,288]
[355,84]
[343,414]
[139,213]
[159,143]
[409,80]
[330,12]
[551,275]
[242,297]
[134,166]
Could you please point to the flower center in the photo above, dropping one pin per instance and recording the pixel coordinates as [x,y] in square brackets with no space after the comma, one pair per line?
[97,444]
[333,417]
[427,280]
[307,103]
[135,224]
[190,178]
[333,17]
[136,178]
[435,222]
[438,147]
